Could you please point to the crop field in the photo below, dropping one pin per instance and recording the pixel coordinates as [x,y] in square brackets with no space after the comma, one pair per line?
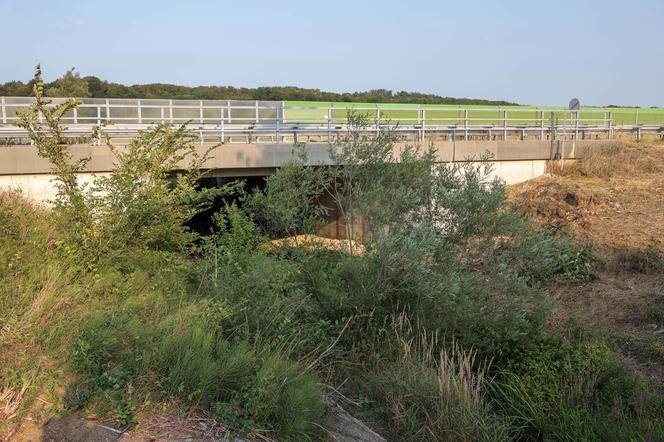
[313,111]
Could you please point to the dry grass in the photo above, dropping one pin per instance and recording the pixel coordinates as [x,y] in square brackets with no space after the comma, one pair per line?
[11,401]
[312,242]
[604,162]
[615,201]
[457,381]
[168,424]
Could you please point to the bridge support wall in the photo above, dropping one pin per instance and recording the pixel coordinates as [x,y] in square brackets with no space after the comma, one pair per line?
[513,161]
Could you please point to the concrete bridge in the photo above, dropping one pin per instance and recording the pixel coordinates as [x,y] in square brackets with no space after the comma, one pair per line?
[514,161]
[255,138]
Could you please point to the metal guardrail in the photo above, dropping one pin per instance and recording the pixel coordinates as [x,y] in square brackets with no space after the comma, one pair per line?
[228,120]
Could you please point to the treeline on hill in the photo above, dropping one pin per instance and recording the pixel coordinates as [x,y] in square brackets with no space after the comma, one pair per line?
[72,85]
[434,327]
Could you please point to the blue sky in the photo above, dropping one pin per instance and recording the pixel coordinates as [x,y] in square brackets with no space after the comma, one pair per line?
[532,52]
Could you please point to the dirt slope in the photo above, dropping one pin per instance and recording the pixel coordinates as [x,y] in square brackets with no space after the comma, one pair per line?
[617,202]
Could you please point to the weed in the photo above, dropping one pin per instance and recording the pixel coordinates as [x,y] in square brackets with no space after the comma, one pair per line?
[648,260]
[433,395]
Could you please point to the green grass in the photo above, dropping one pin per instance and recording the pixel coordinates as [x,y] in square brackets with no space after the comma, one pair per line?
[316,111]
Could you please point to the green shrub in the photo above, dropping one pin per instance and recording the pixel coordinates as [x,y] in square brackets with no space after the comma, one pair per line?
[560,390]
[492,313]
[196,364]
[285,398]
[286,206]
[539,257]
[113,339]
[278,396]
[648,260]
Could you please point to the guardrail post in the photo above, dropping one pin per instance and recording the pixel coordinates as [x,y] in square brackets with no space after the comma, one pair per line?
[465,124]
[576,125]
[283,112]
[200,111]
[228,111]
[140,117]
[170,111]
[161,115]
[4,111]
[108,111]
[424,123]
[636,119]
[256,105]
[377,119]
[610,125]
[541,125]
[222,123]
[75,115]
[98,126]
[505,125]
[277,125]
[552,127]
[329,124]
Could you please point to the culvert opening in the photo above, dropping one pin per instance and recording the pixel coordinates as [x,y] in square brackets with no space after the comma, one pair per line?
[203,222]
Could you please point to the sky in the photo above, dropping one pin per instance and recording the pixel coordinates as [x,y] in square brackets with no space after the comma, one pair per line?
[530,52]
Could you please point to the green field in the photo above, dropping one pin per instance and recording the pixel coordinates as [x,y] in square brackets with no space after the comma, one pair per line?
[314,111]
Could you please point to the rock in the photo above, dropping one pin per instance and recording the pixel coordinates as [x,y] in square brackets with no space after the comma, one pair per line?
[345,428]
[651,326]
[658,332]
[76,428]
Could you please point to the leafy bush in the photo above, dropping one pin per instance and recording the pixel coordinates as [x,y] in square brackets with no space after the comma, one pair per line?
[540,257]
[142,203]
[560,390]
[289,204]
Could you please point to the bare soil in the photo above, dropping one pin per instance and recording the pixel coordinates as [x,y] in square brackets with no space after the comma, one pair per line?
[621,210]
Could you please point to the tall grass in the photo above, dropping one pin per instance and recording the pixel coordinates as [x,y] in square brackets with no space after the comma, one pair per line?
[432,394]
[245,383]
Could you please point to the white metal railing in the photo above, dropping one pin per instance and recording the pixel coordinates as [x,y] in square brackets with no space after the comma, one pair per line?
[224,119]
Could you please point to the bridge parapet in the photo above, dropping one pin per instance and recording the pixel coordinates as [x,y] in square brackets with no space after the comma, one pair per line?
[230,121]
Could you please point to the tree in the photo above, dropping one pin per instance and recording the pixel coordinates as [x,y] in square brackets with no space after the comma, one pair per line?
[289,204]
[69,85]
[16,89]
[146,199]
[49,138]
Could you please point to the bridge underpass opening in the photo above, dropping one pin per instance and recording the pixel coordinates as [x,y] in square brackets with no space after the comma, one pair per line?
[203,222]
